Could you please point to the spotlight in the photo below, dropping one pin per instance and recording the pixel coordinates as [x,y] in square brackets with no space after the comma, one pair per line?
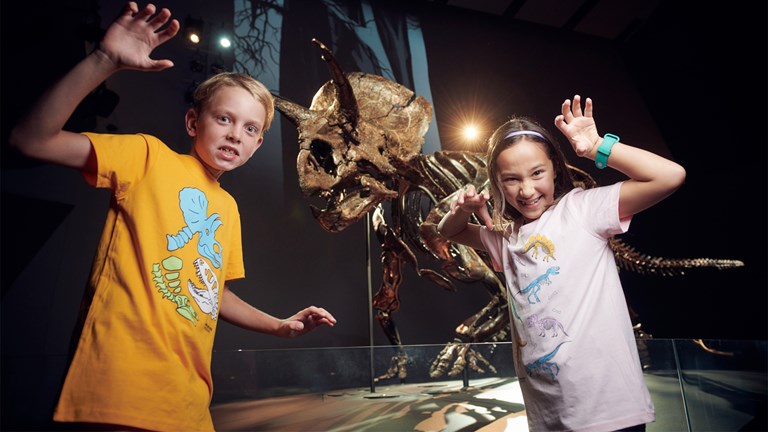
[470,132]
[193,29]
[225,42]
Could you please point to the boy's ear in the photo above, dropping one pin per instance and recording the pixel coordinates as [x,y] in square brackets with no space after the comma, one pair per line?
[190,121]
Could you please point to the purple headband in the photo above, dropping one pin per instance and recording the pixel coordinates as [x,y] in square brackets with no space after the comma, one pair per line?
[525,132]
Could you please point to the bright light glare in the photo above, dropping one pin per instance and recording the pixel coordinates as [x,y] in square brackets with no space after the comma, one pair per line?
[225,42]
[471,132]
[194,38]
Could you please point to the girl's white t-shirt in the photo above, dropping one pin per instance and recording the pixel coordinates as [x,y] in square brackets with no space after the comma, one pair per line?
[575,351]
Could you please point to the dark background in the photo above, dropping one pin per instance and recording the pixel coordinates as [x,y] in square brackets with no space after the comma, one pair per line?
[687,81]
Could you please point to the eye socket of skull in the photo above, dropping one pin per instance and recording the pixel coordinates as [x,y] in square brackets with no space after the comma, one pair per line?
[322,152]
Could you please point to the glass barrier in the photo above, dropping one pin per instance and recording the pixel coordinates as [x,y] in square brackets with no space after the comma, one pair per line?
[710,385]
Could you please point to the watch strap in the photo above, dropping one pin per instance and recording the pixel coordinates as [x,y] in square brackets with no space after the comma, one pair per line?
[601,158]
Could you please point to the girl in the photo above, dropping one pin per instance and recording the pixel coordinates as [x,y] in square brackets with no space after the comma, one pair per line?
[575,351]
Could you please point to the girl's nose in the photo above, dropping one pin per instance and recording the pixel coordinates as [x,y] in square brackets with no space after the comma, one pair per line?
[526,189]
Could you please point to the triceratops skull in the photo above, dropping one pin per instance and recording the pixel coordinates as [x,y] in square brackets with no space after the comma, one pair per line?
[358,131]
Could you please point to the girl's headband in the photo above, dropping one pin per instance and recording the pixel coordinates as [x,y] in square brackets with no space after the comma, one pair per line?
[524,132]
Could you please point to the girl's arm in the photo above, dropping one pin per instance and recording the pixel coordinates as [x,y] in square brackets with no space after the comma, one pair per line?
[455,224]
[651,177]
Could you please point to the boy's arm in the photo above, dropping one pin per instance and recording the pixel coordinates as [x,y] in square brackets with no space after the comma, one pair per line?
[127,44]
[651,177]
[236,311]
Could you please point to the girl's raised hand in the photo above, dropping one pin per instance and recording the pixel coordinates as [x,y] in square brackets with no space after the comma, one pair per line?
[579,127]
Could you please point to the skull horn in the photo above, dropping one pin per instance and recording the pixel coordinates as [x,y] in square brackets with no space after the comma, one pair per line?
[293,111]
[347,101]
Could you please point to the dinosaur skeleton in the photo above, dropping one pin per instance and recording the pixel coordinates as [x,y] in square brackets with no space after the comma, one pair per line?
[359,147]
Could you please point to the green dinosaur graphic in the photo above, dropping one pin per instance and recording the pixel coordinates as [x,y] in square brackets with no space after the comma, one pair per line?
[171,290]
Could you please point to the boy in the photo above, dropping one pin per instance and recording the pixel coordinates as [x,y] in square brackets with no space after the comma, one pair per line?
[170,243]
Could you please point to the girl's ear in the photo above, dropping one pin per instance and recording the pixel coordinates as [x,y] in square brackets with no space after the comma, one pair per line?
[190,121]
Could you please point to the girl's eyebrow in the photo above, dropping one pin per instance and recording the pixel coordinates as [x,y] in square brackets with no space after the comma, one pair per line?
[532,169]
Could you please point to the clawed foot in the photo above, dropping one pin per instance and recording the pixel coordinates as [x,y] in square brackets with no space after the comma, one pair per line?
[397,367]
[461,355]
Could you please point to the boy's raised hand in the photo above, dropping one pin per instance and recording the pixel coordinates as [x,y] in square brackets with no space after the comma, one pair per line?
[131,38]
[579,127]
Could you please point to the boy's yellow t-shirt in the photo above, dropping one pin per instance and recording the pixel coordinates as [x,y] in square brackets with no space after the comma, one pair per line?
[170,242]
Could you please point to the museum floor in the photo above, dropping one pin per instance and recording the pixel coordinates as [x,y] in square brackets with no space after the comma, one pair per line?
[712,401]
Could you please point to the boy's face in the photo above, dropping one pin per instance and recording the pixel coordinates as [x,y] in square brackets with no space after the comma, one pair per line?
[228,131]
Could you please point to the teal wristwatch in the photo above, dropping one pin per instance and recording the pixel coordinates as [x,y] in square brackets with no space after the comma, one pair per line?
[601,158]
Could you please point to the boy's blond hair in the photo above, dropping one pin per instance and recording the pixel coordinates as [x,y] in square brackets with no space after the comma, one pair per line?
[207,88]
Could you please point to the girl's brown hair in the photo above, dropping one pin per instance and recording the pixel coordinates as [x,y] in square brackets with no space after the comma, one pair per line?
[503,214]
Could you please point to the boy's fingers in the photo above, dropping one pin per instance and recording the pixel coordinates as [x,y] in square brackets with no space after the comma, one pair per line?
[147,12]
[130,9]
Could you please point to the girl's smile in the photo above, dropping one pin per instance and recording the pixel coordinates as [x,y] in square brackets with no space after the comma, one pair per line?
[527,178]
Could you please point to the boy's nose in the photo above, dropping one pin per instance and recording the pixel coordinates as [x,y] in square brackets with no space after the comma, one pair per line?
[234,135]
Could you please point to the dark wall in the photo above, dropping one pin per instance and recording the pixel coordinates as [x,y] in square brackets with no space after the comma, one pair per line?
[691,84]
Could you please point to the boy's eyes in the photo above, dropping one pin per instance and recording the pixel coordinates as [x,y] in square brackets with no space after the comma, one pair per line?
[251,129]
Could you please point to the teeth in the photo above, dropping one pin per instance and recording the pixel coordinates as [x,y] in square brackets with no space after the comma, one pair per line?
[528,203]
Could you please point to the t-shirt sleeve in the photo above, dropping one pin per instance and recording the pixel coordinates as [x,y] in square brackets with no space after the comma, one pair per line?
[121,160]
[493,241]
[599,209]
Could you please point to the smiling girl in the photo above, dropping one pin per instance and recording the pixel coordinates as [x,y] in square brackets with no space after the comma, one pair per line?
[588,376]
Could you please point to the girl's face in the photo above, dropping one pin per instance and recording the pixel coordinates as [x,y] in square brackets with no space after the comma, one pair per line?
[228,131]
[527,178]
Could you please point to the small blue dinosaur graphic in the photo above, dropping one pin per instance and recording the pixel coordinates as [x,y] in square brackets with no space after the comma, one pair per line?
[533,288]
[544,366]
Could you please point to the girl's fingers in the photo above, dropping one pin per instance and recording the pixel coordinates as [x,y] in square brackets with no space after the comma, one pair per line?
[588,107]
[577,106]
[565,109]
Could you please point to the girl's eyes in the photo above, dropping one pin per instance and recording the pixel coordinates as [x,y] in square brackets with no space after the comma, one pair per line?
[514,180]
[224,119]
